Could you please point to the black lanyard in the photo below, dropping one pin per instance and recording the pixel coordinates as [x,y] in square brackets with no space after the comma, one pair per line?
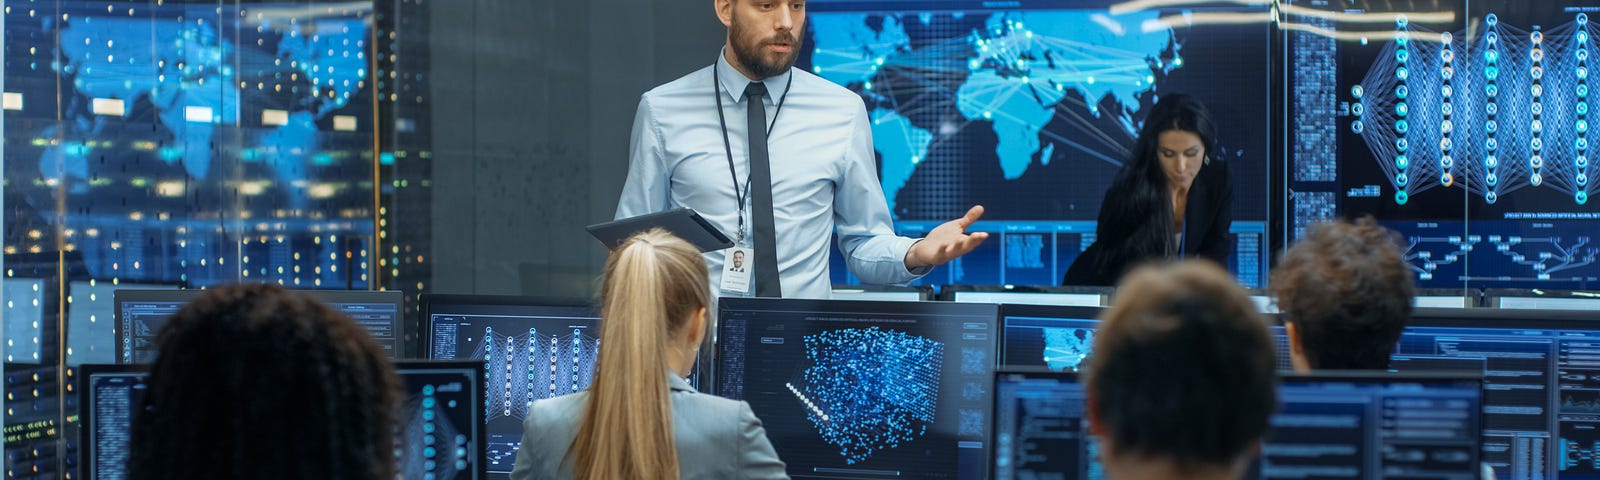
[716,90]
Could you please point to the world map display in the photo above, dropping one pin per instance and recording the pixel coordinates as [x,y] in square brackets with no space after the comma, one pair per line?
[181,140]
[1031,108]
[1028,112]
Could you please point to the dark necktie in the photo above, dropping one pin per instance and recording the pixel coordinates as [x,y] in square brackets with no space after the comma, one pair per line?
[761,195]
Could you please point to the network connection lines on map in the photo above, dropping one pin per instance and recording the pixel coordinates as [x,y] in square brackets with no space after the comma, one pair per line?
[926,82]
[1066,348]
[1493,114]
[867,390]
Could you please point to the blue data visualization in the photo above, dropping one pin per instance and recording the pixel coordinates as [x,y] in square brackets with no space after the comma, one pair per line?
[1464,126]
[1029,108]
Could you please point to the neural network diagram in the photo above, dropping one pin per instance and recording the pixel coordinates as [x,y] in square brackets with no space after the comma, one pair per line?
[534,365]
[1504,110]
[431,446]
[867,390]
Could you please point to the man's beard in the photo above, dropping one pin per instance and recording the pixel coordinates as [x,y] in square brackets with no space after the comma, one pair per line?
[753,59]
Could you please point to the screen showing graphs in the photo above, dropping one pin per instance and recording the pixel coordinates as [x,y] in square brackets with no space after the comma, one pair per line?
[1463,126]
[531,350]
[1029,109]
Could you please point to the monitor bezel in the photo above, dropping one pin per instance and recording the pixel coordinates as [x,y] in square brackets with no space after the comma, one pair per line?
[86,415]
[947,293]
[1008,310]
[394,297]
[1504,318]
[988,311]
[924,292]
[708,369]
[1355,376]
[84,374]
[430,302]
[480,393]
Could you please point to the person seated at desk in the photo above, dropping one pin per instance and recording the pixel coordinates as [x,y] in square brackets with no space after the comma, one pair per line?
[1183,376]
[1345,294]
[640,418]
[1171,199]
[257,382]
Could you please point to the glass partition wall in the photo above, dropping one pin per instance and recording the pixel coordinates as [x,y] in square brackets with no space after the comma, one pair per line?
[174,144]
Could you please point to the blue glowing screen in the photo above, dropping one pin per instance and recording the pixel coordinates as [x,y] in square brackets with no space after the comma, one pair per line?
[1463,126]
[1030,107]
[530,351]
[855,388]
[193,143]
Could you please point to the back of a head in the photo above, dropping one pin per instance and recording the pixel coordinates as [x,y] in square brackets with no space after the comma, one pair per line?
[1183,368]
[654,282]
[1348,292]
[257,382]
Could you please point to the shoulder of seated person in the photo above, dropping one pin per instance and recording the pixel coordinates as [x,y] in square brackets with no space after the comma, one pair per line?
[706,409]
[557,409]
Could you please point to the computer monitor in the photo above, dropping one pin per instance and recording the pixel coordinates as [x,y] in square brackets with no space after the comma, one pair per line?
[882,293]
[440,435]
[139,314]
[1047,336]
[1264,303]
[1030,108]
[1329,425]
[851,389]
[1064,296]
[1544,299]
[1541,376]
[533,349]
[91,335]
[1060,338]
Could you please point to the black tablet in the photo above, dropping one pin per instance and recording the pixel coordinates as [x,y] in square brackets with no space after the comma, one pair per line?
[683,222]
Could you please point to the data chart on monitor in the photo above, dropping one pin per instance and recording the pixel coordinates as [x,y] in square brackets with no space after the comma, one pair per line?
[864,389]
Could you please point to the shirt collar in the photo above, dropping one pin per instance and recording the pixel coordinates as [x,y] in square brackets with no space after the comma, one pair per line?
[734,83]
[675,382]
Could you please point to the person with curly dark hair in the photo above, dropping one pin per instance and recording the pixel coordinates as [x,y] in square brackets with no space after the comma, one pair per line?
[258,382]
[1172,199]
[1345,294]
[1183,377]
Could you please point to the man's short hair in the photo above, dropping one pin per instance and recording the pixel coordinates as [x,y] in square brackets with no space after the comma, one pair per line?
[1348,292]
[1183,367]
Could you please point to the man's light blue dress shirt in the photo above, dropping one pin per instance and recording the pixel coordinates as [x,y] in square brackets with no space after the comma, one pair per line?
[824,173]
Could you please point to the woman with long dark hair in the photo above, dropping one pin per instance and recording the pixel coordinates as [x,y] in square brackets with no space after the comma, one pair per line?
[1173,198]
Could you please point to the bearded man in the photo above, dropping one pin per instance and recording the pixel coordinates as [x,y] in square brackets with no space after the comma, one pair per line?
[779,159]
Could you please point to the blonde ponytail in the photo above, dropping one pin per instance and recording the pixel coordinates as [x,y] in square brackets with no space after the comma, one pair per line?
[653,283]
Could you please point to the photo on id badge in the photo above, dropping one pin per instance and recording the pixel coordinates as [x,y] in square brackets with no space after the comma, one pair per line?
[736,269]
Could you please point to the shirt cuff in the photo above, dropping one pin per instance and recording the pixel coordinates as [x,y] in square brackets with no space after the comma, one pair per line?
[914,273]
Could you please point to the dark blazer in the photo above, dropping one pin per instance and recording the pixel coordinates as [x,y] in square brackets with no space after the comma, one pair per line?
[1207,217]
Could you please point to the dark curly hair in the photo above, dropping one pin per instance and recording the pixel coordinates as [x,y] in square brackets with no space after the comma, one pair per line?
[1348,293]
[258,382]
[1183,368]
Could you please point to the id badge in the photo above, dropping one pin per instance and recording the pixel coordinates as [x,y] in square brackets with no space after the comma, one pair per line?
[736,266]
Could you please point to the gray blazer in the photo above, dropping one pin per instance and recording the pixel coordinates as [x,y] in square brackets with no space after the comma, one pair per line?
[716,438]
